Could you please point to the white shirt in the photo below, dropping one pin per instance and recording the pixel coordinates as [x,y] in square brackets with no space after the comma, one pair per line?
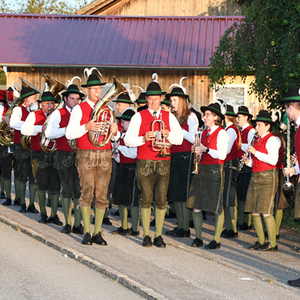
[193,124]
[1,112]
[53,130]
[232,136]
[222,144]
[126,151]
[296,167]
[132,138]
[15,119]
[28,128]
[249,138]
[74,130]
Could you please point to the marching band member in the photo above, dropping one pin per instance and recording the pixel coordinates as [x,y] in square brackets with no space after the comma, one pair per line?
[152,171]
[292,107]
[231,160]
[166,104]
[263,183]
[66,157]
[181,161]
[247,134]
[93,163]
[18,117]
[125,191]
[206,192]
[44,165]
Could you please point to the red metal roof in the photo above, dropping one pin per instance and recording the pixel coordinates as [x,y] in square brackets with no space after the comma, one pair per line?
[110,41]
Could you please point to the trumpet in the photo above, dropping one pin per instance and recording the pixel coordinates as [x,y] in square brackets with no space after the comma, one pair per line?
[159,142]
[196,155]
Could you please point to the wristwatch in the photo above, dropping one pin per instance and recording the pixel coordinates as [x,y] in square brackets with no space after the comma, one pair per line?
[207,150]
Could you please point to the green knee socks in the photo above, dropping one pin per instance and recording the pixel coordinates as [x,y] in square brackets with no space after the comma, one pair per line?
[67,209]
[77,213]
[198,220]
[99,215]
[219,222]
[259,228]
[42,201]
[135,217]
[159,220]
[86,217]
[146,214]
[123,216]
[271,229]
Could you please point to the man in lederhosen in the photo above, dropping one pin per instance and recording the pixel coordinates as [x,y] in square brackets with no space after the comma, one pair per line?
[153,171]
[18,117]
[292,108]
[66,157]
[44,165]
[93,163]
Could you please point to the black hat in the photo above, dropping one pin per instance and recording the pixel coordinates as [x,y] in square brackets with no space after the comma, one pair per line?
[177,91]
[166,101]
[127,115]
[293,95]
[154,89]
[264,116]
[73,89]
[230,111]
[47,96]
[124,98]
[93,80]
[198,115]
[243,110]
[10,89]
[27,91]
[141,98]
[215,108]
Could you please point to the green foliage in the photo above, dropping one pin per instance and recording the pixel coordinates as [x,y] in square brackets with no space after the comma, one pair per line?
[266,44]
[2,78]
[41,6]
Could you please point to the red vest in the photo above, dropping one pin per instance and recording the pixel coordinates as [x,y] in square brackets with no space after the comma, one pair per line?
[185,146]
[145,151]
[40,119]
[124,159]
[297,144]
[17,136]
[211,143]
[62,142]
[260,145]
[84,141]
[279,164]
[233,154]
[244,138]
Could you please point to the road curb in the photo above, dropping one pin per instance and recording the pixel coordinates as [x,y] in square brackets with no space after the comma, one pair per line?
[111,273]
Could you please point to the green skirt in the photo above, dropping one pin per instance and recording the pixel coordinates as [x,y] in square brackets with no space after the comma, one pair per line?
[261,192]
[229,193]
[206,191]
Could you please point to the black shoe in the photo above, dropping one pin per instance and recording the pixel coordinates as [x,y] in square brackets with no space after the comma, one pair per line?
[55,220]
[106,221]
[294,283]
[121,231]
[223,232]
[256,246]
[116,213]
[23,208]
[147,241]
[7,202]
[268,247]
[171,232]
[230,234]
[79,229]
[133,233]
[159,242]
[17,202]
[197,243]
[66,229]
[87,239]
[98,239]
[43,218]
[152,223]
[2,196]
[243,226]
[213,245]
[31,208]
[48,203]
[182,233]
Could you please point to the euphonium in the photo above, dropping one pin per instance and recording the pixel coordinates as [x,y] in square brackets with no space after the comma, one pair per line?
[105,115]
[196,155]
[159,142]
[26,142]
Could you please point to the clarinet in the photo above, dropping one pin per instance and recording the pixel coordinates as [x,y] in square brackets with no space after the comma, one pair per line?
[242,163]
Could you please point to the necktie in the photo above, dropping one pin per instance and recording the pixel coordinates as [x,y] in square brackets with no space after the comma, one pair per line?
[154,114]
[208,132]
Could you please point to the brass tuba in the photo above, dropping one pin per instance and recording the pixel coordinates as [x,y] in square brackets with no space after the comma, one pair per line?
[55,87]
[159,142]
[104,115]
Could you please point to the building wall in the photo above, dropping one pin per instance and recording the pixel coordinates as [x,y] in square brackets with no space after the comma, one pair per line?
[165,8]
[196,83]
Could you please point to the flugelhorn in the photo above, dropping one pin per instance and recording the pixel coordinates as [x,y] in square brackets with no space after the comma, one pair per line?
[159,142]
[105,115]
[196,155]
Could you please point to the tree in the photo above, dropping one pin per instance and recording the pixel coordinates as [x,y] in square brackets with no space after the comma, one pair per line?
[41,6]
[266,44]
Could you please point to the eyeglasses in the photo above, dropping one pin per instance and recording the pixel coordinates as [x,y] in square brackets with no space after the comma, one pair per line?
[207,114]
